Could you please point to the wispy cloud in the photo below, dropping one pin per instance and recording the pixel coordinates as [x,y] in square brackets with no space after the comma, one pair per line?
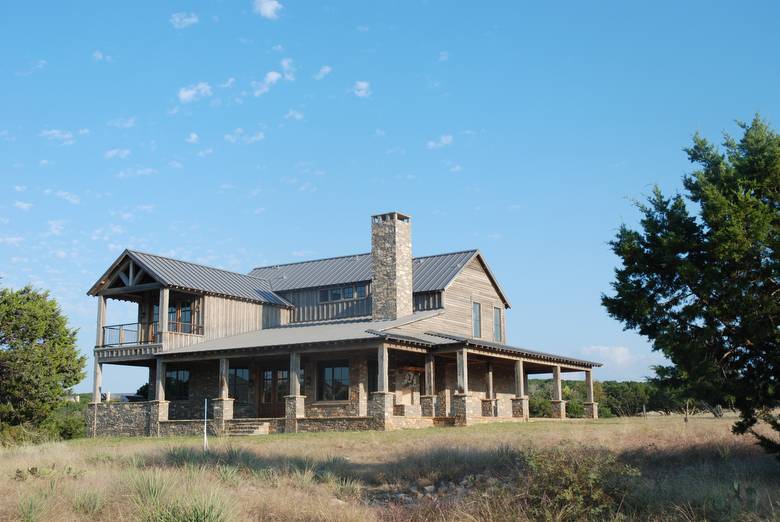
[182,20]
[288,69]
[292,114]
[23,205]
[11,240]
[323,72]
[34,67]
[194,92]
[239,135]
[122,123]
[56,227]
[205,152]
[19,188]
[65,137]
[100,56]
[135,172]
[228,83]
[71,198]
[263,87]
[268,8]
[444,56]
[362,89]
[445,140]
[193,138]
[5,135]
[117,153]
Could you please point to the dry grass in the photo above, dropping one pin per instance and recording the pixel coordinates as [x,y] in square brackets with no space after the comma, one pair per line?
[657,469]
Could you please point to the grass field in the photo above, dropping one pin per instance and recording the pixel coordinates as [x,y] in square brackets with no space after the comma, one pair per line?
[657,469]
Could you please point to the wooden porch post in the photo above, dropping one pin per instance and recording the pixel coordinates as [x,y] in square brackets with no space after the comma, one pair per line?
[430,375]
[556,383]
[162,319]
[97,381]
[463,371]
[101,320]
[295,373]
[224,369]
[490,394]
[159,387]
[520,390]
[382,380]
[589,385]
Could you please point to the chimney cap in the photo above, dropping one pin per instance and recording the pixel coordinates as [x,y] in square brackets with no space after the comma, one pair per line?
[391,216]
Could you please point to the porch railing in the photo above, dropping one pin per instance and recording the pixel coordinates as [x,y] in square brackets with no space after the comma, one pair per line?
[144,333]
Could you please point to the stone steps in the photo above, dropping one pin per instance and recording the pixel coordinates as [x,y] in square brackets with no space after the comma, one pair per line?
[238,427]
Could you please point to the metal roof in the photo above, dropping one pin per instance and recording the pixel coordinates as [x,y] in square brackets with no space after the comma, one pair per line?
[173,273]
[304,334]
[429,273]
[514,349]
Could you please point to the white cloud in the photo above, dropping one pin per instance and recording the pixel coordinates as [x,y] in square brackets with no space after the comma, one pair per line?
[11,240]
[21,205]
[35,66]
[292,114]
[182,20]
[6,136]
[444,56]
[135,173]
[239,135]
[277,48]
[71,198]
[268,8]
[56,227]
[192,138]
[194,92]
[362,89]
[175,164]
[263,87]
[288,69]
[83,132]
[65,137]
[228,83]
[445,140]
[117,153]
[205,152]
[19,188]
[122,123]
[455,167]
[323,72]
[100,56]
[44,163]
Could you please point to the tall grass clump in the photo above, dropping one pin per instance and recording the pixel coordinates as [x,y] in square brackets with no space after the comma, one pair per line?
[31,508]
[202,508]
[89,502]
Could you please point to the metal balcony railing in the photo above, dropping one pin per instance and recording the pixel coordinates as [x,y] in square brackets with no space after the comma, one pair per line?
[144,333]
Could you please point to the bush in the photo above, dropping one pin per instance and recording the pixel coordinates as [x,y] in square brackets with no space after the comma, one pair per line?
[539,406]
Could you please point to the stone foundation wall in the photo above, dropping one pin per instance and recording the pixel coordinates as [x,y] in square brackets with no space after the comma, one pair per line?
[204,384]
[336,424]
[129,419]
[407,423]
[174,428]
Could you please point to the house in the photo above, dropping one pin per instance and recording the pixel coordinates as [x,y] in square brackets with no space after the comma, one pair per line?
[380,341]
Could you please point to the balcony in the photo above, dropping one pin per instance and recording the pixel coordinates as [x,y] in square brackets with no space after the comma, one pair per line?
[132,334]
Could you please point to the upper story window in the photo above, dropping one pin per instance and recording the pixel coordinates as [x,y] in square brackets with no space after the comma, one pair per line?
[498,334]
[177,385]
[343,293]
[476,320]
[238,384]
[333,381]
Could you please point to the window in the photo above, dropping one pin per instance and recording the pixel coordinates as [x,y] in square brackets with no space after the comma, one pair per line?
[324,296]
[238,384]
[267,390]
[335,294]
[333,382]
[282,384]
[497,334]
[177,385]
[347,292]
[476,320]
[373,376]
[185,317]
[343,293]
[360,291]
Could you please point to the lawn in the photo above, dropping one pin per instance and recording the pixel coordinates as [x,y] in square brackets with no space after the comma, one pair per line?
[657,468]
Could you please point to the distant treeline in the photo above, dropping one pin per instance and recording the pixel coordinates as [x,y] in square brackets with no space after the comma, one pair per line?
[616,399]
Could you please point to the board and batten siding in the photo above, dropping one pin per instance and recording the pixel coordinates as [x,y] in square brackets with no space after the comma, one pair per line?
[471,285]
[223,317]
[308,307]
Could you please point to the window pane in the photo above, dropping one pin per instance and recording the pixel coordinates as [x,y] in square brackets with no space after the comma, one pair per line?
[268,386]
[324,295]
[177,384]
[335,294]
[282,384]
[360,290]
[476,320]
[186,317]
[497,324]
[347,292]
[334,381]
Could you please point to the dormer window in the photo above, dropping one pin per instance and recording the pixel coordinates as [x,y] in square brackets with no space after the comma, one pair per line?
[343,293]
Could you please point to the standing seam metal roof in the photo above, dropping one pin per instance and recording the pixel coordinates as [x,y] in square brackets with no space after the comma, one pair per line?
[429,273]
[183,274]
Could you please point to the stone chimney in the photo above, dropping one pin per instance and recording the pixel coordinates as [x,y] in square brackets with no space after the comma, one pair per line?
[391,260]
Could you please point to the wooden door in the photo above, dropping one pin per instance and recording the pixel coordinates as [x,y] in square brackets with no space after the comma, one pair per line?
[274,386]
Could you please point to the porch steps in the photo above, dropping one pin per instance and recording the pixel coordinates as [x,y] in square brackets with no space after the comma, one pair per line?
[238,427]
[442,422]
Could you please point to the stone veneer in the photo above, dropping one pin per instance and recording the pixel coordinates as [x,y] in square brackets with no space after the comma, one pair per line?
[466,407]
[591,410]
[428,405]
[391,258]
[558,409]
[520,407]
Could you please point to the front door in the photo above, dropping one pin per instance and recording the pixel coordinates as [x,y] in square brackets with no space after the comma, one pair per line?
[274,386]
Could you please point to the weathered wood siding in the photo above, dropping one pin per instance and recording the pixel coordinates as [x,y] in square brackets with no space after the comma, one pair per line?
[308,307]
[471,285]
[427,301]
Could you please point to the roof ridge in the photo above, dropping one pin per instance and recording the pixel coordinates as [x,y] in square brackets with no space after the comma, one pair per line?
[200,265]
[358,255]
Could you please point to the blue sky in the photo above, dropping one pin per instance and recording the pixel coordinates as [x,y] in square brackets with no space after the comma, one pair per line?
[244,133]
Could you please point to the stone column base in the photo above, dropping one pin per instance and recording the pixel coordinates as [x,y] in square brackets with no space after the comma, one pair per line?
[558,409]
[294,409]
[223,411]
[428,405]
[591,410]
[465,408]
[520,407]
[158,411]
[489,407]
[381,409]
